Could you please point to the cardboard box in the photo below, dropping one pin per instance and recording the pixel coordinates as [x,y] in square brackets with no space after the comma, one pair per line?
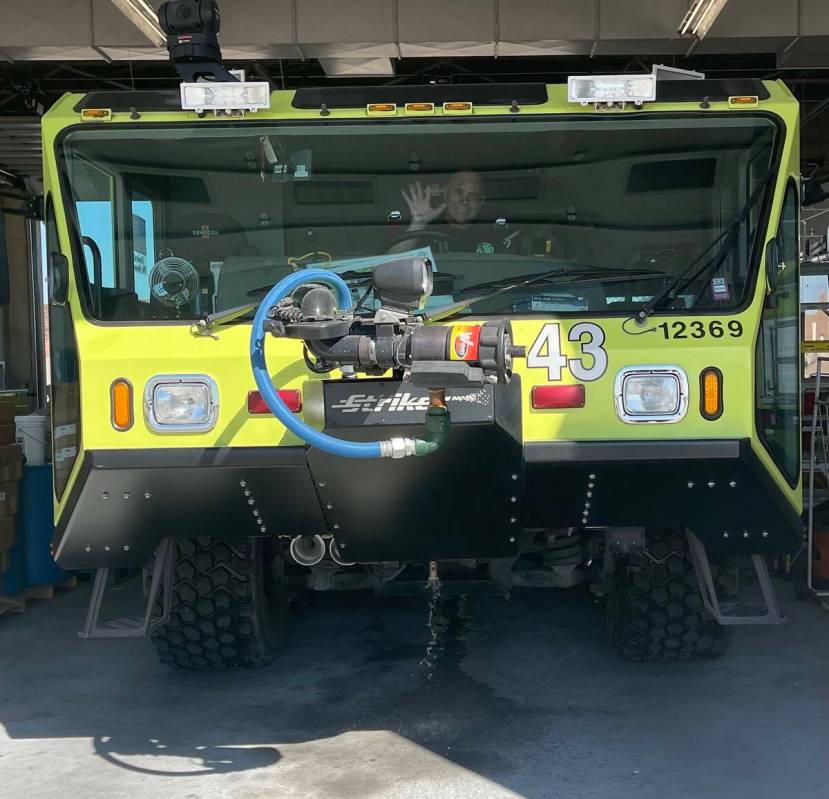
[8,411]
[8,434]
[8,499]
[11,463]
[6,533]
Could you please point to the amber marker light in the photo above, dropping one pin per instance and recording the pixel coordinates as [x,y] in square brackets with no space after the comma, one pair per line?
[120,393]
[710,389]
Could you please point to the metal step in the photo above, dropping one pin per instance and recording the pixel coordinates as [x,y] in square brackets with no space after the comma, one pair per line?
[733,613]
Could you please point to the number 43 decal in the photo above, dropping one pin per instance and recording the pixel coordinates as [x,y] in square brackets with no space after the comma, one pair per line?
[545,352]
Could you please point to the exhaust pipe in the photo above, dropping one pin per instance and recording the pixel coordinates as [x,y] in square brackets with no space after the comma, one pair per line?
[334,552]
[307,550]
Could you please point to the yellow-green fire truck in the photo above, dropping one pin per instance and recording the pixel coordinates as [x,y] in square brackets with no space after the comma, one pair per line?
[533,335]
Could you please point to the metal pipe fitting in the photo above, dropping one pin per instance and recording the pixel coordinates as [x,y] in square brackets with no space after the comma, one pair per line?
[307,550]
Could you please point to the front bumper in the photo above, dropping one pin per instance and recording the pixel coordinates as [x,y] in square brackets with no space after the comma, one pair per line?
[472,499]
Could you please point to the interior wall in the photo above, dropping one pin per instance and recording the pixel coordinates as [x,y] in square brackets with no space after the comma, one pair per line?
[17,344]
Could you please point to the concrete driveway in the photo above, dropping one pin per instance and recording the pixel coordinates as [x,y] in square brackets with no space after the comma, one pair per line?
[520,698]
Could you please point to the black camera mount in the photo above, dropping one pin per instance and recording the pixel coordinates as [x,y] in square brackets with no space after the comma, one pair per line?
[192,28]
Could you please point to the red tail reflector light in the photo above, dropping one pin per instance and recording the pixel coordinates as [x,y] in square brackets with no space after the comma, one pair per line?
[292,397]
[546,397]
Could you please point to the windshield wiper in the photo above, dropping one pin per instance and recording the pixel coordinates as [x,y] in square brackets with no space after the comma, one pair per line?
[206,325]
[552,276]
[572,272]
[728,239]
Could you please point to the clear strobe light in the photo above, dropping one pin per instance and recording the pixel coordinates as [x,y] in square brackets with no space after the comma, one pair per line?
[239,96]
[611,89]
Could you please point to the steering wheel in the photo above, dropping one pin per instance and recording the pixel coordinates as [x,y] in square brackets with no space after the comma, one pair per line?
[424,234]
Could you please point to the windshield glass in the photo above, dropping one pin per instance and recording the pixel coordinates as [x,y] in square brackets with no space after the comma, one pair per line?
[180,222]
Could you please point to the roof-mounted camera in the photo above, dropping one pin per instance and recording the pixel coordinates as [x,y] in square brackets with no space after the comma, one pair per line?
[192,28]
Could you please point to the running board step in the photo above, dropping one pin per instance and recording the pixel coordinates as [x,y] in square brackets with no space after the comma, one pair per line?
[735,613]
[132,627]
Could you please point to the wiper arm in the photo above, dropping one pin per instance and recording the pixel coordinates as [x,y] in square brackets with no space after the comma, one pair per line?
[552,276]
[206,325]
[451,310]
[728,240]
[209,322]
[568,270]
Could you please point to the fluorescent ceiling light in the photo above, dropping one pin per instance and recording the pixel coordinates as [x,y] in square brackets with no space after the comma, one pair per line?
[144,17]
[700,18]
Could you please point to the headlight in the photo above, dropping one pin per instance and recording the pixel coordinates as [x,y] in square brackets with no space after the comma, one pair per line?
[181,403]
[651,394]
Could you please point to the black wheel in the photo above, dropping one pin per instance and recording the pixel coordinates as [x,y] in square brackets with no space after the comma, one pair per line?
[655,610]
[226,610]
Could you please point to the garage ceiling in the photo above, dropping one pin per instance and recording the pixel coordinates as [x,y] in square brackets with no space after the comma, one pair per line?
[48,47]
[796,31]
[20,145]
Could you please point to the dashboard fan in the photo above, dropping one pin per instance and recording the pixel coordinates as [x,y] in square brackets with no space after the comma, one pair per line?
[174,282]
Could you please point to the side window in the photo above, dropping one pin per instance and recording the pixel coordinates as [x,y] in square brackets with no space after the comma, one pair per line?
[96,220]
[65,398]
[143,244]
[778,364]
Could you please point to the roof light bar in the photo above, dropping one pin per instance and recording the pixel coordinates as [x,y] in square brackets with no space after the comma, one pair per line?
[225,96]
[700,17]
[598,89]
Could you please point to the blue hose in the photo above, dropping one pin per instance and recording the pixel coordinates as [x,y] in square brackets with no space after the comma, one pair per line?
[314,438]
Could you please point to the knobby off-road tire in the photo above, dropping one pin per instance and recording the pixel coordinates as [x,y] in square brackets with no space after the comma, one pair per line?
[225,612]
[655,610]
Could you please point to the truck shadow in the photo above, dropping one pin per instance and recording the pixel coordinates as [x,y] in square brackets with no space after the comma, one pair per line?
[353,662]
[515,692]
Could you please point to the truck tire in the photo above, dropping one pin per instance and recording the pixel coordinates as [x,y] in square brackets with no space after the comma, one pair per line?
[655,610]
[224,613]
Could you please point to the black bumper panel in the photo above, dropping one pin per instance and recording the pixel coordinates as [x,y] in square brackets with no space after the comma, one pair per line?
[125,501]
[472,499]
[717,488]
[464,501]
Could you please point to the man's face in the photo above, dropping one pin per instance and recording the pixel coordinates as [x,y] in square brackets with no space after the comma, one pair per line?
[464,196]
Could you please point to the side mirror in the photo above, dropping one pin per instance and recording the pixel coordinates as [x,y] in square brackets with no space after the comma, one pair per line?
[58,278]
[813,192]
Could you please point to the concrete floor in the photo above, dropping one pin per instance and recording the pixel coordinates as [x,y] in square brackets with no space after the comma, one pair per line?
[524,699]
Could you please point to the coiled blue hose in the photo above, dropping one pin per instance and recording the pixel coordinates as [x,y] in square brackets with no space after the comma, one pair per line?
[335,446]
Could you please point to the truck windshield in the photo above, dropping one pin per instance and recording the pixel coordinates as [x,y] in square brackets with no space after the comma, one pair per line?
[182,221]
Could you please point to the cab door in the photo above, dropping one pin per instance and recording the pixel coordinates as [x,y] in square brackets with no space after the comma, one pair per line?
[65,400]
[777,383]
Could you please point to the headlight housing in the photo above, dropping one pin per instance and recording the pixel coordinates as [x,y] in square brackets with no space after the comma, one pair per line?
[651,394]
[181,403]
